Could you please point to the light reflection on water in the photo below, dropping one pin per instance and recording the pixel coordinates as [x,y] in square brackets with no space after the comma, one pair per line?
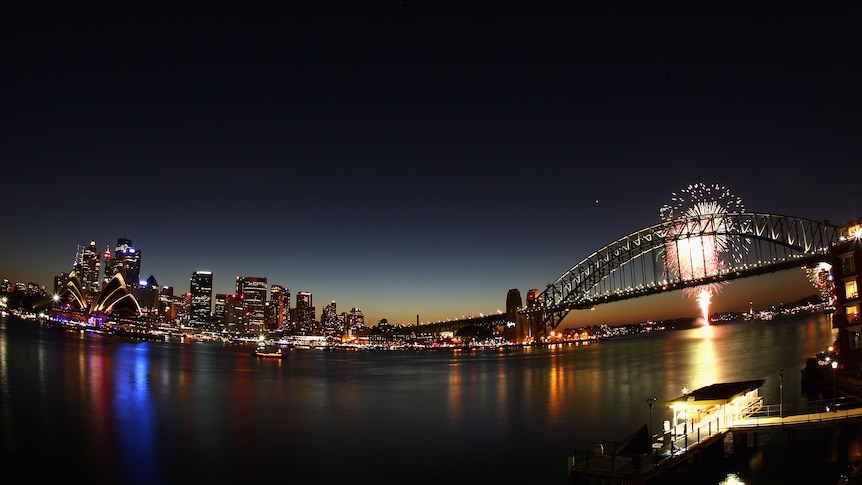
[732,479]
[703,358]
[202,412]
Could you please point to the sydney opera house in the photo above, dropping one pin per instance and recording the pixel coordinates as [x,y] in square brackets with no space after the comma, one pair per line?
[114,302]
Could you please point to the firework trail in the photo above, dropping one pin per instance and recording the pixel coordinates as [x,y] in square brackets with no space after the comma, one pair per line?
[693,249]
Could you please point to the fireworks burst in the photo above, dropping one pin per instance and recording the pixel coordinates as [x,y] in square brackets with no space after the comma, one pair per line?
[693,249]
[820,277]
[702,199]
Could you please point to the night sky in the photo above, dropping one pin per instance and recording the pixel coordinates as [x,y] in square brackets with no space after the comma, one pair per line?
[411,158]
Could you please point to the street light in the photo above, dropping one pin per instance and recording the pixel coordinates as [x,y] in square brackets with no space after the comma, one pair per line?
[650,401]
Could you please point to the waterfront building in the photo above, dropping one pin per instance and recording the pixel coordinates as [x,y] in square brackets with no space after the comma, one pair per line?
[846,259]
[201,290]
[253,289]
[114,300]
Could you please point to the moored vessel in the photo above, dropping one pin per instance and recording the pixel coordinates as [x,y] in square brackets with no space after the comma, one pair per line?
[265,353]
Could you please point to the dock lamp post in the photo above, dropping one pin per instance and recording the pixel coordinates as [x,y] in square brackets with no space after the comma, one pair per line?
[834,385]
[650,401]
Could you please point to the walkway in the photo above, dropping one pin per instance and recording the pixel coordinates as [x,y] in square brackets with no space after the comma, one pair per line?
[754,423]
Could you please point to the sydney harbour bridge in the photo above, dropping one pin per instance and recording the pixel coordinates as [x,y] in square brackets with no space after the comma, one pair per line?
[677,254]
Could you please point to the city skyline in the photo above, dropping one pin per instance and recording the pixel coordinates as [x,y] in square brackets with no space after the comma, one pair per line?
[774,289]
[409,159]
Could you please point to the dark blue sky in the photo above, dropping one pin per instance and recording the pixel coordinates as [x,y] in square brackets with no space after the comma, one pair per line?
[409,158]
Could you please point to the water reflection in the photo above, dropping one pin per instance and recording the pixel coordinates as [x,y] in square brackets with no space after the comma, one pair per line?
[704,362]
[200,412]
[133,410]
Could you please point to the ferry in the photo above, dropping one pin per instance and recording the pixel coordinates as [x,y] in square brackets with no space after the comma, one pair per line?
[264,353]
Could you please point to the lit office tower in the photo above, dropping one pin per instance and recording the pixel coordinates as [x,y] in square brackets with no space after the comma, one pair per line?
[87,266]
[355,320]
[218,310]
[59,283]
[201,289]
[279,298]
[253,289]
[330,321]
[235,314]
[166,298]
[329,315]
[304,311]
[146,292]
[125,261]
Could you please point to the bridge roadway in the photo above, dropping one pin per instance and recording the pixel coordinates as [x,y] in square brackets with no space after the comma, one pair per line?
[687,449]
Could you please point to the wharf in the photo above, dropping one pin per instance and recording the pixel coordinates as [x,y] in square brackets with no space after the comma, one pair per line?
[701,421]
[622,467]
[703,432]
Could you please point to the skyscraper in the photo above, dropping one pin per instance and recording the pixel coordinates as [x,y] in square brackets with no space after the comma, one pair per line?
[146,293]
[279,297]
[87,266]
[235,314]
[329,320]
[166,299]
[201,289]
[304,311]
[125,261]
[253,289]
[355,320]
[218,310]
[329,313]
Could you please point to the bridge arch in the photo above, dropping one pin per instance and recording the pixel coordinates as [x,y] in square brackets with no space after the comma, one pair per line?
[682,253]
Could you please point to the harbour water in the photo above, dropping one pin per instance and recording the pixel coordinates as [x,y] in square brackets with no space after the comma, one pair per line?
[101,409]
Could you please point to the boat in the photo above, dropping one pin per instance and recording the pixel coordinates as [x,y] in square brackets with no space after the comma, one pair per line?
[264,353]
